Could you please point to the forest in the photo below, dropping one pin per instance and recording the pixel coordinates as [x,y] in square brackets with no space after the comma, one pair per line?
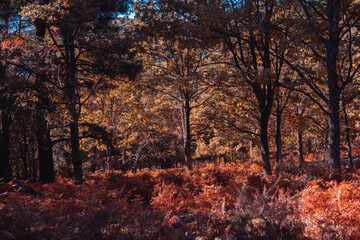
[179,119]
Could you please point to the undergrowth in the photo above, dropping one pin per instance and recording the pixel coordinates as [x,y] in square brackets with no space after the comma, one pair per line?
[231,201]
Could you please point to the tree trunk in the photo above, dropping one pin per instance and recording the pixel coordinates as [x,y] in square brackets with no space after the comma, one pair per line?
[264,121]
[73,104]
[278,140]
[76,157]
[45,157]
[309,145]
[5,167]
[335,163]
[185,110]
[23,152]
[300,147]
[123,157]
[349,161]
[109,159]
[264,95]
[34,171]
[43,139]
[326,143]
[333,9]
[316,145]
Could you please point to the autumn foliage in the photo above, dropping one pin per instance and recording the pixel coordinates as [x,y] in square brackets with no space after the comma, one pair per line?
[230,201]
[168,119]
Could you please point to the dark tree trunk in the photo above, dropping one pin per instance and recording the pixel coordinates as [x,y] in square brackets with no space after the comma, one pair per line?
[349,161]
[34,171]
[73,104]
[45,152]
[325,145]
[264,91]
[278,140]
[309,145]
[334,134]
[300,147]
[76,157]
[5,167]
[43,139]
[264,121]
[45,157]
[185,110]
[23,152]
[266,98]
[123,157]
[333,9]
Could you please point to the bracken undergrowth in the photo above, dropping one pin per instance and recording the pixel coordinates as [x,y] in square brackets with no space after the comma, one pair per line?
[228,201]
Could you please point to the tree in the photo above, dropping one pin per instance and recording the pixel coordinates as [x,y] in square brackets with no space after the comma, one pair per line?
[182,71]
[42,106]
[7,92]
[330,35]
[80,31]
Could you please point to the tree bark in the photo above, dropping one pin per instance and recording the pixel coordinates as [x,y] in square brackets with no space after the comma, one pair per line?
[43,139]
[325,145]
[72,105]
[76,157]
[333,9]
[45,153]
[309,145]
[23,152]
[185,110]
[266,96]
[278,137]
[349,161]
[264,121]
[300,147]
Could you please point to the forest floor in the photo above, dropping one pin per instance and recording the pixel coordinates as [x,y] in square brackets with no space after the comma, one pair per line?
[226,201]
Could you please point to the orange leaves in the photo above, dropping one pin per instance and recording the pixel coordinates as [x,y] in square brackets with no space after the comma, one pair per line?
[14,44]
[209,200]
[5,44]
[332,210]
[174,219]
